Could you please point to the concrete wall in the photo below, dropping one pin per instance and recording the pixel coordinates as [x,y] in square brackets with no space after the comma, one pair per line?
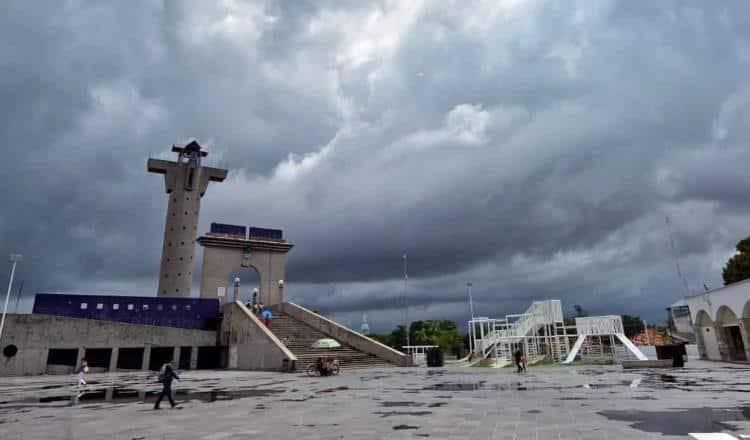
[344,335]
[34,335]
[251,345]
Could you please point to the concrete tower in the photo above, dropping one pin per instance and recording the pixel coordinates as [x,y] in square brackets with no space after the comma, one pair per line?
[185,182]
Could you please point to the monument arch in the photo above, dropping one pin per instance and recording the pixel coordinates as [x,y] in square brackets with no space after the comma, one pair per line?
[227,247]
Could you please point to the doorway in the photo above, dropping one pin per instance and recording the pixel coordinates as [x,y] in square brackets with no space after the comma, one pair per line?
[734,343]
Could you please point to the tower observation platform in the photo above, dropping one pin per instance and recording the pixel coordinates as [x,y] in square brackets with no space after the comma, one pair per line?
[185,181]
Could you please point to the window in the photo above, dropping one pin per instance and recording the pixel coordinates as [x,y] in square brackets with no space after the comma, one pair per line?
[99,306]
[130,307]
[115,306]
[145,307]
[681,311]
[174,307]
[84,306]
[160,307]
[188,307]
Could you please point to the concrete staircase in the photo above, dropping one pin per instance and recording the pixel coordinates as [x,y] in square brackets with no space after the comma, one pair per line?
[298,337]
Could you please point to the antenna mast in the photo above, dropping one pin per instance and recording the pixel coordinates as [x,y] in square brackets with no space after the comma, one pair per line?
[675,256]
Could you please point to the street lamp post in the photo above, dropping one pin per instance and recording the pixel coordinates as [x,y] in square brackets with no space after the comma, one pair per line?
[236,288]
[406,303]
[15,258]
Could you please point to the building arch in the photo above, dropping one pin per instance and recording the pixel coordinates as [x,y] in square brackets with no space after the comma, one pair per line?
[223,251]
[729,335]
[249,282]
[707,341]
[746,310]
[726,317]
[703,319]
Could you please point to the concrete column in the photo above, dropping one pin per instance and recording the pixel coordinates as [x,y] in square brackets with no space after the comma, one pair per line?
[113,359]
[697,331]
[176,355]
[721,340]
[194,358]
[146,357]
[745,332]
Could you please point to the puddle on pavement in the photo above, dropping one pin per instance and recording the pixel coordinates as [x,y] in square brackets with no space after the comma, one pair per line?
[331,390]
[384,414]
[681,422]
[118,396]
[392,404]
[400,427]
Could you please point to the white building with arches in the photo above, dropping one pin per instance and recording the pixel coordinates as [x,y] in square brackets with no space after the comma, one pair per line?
[721,321]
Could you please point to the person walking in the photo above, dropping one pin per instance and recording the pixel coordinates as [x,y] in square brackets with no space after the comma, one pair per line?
[267,316]
[524,361]
[82,370]
[517,357]
[166,374]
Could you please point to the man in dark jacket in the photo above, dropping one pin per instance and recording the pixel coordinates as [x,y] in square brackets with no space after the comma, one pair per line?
[166,374]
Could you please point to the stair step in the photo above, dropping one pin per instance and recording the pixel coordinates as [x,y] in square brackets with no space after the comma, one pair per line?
[299,337]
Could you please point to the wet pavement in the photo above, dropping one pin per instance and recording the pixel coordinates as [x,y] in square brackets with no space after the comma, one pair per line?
[591,402]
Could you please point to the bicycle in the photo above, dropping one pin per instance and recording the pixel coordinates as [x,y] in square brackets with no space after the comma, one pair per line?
[333,367]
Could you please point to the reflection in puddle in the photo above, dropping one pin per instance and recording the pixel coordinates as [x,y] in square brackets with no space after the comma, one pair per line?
[681,422]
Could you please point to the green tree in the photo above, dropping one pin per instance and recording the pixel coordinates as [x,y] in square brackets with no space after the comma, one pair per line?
[738,266]
[632,325]
[579,312]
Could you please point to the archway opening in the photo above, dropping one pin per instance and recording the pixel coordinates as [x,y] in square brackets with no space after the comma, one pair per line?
[249,281]
[730,326]
[708,335]
[703,320]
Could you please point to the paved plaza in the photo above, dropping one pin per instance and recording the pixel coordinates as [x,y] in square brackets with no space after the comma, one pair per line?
[552,402]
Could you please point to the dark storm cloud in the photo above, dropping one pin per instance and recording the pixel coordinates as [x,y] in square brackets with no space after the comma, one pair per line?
[535,148]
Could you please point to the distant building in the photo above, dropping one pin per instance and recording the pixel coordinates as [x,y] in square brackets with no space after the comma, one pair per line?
[720,320]
[682,324]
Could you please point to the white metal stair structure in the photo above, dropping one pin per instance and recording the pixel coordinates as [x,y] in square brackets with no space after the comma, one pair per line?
[610,325]
[539,332]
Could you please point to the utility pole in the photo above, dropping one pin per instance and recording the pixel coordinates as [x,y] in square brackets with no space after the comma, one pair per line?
[18,296]
[14,258]
[471,302]
[406,303]
[675,255]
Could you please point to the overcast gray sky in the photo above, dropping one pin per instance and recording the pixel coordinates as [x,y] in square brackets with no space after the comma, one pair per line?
[534,148]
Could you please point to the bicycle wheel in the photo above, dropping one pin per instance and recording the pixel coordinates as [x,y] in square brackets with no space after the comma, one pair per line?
[312,370]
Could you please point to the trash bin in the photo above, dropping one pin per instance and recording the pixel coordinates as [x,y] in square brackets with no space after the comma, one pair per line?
[434,357]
